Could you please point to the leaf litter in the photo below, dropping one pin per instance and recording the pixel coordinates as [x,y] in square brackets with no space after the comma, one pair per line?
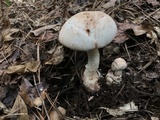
[39,76]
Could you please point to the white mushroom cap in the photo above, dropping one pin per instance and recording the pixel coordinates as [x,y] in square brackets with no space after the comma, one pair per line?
[118,64]
[88,30]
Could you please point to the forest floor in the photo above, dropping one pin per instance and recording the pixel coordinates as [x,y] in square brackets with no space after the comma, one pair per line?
[38,75]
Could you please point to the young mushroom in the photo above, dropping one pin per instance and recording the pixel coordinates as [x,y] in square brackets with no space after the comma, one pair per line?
[88,31]
[114,75]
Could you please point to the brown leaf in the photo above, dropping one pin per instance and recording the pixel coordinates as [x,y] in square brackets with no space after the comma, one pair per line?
[137,29]
[28,67]
[5,22]
[5,52]
[15,69]
[20,108]
[43,29]
[32,66]
[56,57]
[25,92]
[121,36]
[109,4]
[6,34]
[56,116]
[4,108]
[153,2]
[47,36]
[30,94]
[156,15]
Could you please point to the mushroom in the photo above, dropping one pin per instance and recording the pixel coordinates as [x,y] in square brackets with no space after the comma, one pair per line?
[88,31]
[115,73]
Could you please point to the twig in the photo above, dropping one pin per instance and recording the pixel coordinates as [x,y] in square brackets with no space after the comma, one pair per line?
[127,52]
[119,91]
[118,7]
[38,58]
[48,118]
[94,5]
[147,65]
[146,15]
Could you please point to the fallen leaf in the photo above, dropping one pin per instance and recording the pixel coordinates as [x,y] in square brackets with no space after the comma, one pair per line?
[154,118]
[20,108]
[47,36]
[5,23]
[15,69]
[25,92]
[4,108]
[56,116]
[156,15]
[27,67]
[153,2]
[129,107]
[121,35]
[39,100]
[157,29]
[137,29]
[109,4]
[16,1]
[5,52]
[30,95]
[6,34]
[56,57]
[43,29]
[32,66]
[154,39]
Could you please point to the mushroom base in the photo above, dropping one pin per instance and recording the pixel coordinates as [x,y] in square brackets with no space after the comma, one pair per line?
[90,80]
[111,78]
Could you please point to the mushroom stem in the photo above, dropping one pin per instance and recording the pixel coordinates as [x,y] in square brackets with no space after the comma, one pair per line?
[91,73]
[118,73]
[93,60]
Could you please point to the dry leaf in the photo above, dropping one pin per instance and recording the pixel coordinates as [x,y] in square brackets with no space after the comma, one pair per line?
[129,107]
[20,108]
[32,66]
[56,57]
[5,52]
[157,29]
[153,2]
[25,92]
[39,100]
[156,15]
[6,34]
[30,94]
[109,4]
[28,67]
[5,23]
[154,118]
[138,30]
[16,1]
[43,29]
[56,116]
[121,36]
[47,36]
[15,69]
[154,39]
[4,108]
